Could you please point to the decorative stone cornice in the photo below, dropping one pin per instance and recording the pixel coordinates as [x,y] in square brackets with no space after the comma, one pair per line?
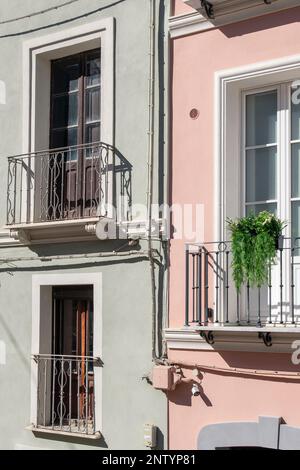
[20,235]
[190,23]
[215,8]
[278,340]
[222,12]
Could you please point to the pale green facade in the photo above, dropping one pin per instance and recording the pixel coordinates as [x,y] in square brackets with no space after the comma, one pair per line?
[128,400]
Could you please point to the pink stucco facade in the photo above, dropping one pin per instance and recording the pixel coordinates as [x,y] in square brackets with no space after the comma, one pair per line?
[196,59]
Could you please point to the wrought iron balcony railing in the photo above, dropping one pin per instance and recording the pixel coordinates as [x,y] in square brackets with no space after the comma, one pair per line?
[65,393]
[211,298]
[69,183]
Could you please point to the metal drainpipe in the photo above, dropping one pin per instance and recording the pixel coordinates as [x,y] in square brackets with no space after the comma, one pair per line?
[150,160]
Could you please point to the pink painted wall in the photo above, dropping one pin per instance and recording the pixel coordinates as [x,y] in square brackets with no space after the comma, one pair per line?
[230,397]
[179,8]
[196,59]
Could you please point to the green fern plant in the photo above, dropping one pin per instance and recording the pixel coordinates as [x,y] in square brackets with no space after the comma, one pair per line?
[254,244]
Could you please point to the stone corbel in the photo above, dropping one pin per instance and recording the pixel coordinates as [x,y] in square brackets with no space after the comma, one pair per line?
[90,228]
[202,5]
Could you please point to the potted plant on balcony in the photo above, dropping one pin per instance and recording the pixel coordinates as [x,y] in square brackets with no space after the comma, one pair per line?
[255,240]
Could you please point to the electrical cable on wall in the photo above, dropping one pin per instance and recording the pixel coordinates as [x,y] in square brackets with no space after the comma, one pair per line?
[60,23]
[144,253]
[40,12]
[238,371]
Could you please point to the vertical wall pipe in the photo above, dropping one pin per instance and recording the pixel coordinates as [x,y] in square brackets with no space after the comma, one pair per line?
[150,162]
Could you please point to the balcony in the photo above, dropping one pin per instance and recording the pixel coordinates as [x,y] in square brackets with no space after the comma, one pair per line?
[66,395]
[212,303]
[70,187]
[219,11]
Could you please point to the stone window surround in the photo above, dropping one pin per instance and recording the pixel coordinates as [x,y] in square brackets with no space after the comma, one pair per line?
[37,55]
[41,327]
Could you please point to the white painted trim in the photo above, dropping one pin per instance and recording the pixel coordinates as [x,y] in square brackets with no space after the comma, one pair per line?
[55,223]
[230,85]
[6,240]
[182,25]
[77,435]
[231,339]
[104,31]
[277,144]
[242,7]
[195,22]
[39,280]
[238,80]
[47,47]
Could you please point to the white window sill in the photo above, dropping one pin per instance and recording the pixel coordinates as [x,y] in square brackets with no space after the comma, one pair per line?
[54,232]
[38,430]
[54,223]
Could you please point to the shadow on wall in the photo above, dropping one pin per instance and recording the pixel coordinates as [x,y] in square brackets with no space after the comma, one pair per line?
[262,23]
[100,444]
[259,361]
[243,362]
[160,440]
[183,395]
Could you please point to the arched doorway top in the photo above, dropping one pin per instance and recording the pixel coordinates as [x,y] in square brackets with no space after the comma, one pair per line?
[268,432]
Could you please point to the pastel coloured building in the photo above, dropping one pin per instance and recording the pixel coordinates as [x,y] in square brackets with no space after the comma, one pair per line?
[76,342]
[235,149]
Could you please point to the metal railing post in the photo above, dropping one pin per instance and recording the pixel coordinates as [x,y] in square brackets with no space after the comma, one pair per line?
[61,378]
[209,281]
[50,185]
[187,285]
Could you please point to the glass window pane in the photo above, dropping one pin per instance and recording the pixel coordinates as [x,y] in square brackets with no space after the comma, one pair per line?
[261,174]
[295,219]
[59,138]
[64,137]
[91,328]
[261,118]
[256,208]
[295,109]
[65,110]
[92,112]
[66,73]
[92,133]
[73,109]
[72,136]
[93,70]
[295,170]
[72,140]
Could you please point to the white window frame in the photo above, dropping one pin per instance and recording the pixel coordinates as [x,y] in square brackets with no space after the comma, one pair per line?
[42,285]
[37,55]
[244,148]
[230,85]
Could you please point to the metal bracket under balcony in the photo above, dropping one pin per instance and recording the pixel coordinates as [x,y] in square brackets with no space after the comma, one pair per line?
[233,338]
[211,333]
